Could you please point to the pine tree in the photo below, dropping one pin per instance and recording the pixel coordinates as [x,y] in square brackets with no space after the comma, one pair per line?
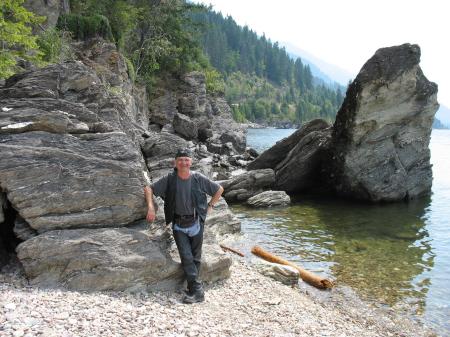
[16,38]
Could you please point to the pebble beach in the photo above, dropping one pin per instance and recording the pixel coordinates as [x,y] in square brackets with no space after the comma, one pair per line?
[246,304]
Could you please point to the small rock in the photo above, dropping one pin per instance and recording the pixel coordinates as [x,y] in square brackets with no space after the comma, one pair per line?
[10,306]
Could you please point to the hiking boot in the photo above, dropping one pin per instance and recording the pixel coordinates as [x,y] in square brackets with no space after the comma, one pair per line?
[195,294]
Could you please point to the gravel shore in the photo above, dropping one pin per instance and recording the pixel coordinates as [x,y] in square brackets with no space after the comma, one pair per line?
[246,304]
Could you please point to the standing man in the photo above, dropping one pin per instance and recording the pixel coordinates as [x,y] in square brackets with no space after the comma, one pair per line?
[185,206]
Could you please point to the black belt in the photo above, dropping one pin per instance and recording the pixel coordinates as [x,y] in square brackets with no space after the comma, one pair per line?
[185,220]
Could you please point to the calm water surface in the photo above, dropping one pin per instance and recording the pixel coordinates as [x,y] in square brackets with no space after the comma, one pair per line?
[396,255]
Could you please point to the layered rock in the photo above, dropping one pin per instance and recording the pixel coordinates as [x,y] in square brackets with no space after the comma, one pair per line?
[269,199]
[377,149]
[382,131]
[278,152]
[195,114]
[297,159]
[71,136]
[300,170]
[284,274]
[248,184]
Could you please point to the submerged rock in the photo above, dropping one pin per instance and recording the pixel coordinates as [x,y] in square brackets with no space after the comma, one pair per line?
[380,139]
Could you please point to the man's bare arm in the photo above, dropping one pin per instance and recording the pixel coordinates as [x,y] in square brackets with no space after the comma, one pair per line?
[151,215]
[215,198]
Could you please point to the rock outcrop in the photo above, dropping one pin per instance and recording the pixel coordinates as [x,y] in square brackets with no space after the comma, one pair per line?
[248,184]
[196,115]
[377,149]
[76,152]
[297,159]
[380,141]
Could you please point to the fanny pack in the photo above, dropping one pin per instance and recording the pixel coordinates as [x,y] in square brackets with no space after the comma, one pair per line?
[185,221]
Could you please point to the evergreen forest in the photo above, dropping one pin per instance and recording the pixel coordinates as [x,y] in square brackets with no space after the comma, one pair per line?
[260,81]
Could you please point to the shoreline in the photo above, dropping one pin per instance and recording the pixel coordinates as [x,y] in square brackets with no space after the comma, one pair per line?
[246,304]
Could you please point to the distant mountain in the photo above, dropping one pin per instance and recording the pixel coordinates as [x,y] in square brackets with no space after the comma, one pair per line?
[443,114]
[437,124]
[330,73]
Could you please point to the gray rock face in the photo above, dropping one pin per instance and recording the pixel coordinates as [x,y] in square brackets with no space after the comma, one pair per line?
[192,102]
[212,115]
[22,230]
[72,167]
[51,9]
[277,153]
[99,259]
[2,206]
[297,159]
[269,199]
[163,107]
[248,184]
[67,181]
[222,221]
[300,170]
[162,145]
[382,131]
[184,126]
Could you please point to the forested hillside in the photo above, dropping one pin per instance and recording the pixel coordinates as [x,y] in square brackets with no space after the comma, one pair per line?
[262,82]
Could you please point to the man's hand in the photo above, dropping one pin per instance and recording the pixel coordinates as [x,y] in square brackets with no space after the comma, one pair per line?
[151,215]
[209,210]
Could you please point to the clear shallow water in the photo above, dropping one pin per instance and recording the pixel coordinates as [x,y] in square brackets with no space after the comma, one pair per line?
[396,255]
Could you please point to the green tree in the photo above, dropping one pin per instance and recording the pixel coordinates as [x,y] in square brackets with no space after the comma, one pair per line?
[16,38]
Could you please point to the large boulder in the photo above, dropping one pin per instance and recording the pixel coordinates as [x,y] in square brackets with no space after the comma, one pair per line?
[99,259]
[248,184]
[65,181]
[301,168]
[382,131]
[192,101]
[185,126]
[277,153]
[72,168]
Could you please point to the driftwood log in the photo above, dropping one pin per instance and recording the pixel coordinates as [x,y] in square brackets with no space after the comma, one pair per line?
[231,250]
[308,277]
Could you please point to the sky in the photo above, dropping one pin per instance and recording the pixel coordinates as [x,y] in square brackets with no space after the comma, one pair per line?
[347,33]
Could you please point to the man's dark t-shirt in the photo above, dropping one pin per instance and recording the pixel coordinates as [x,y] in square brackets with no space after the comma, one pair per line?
[183,199]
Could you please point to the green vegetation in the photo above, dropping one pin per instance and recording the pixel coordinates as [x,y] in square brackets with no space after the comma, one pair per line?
[55,45]
[158,38]
[16,38]
[84,27]
[262,83]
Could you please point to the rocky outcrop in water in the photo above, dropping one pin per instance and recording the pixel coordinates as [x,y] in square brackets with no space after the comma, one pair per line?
[379,149]
[76,152]
[296,159]
[248,184]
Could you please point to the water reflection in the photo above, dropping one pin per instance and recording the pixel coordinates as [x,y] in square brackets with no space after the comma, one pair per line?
[382,251]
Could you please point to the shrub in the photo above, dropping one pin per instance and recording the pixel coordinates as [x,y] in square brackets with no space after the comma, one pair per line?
[214,81]
[85,27]
[55,45]
[130,69]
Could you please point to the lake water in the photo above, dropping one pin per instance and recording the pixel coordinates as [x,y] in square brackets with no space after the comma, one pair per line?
[395,255]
